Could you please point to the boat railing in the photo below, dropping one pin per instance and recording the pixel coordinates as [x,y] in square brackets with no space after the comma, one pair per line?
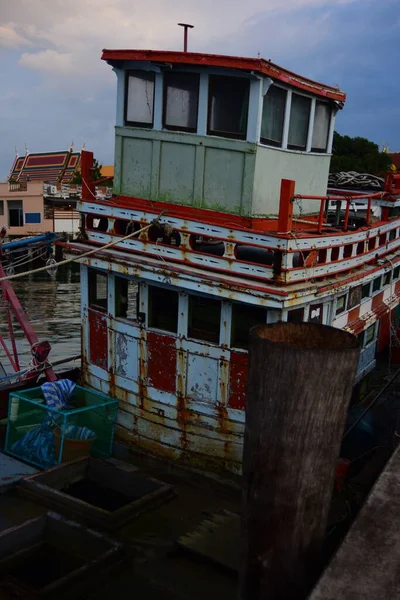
[293,256]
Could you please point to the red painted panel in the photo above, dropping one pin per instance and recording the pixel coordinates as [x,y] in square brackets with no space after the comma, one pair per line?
[376,300]
[98,345]
[161,361]
[353,315]
[238,380]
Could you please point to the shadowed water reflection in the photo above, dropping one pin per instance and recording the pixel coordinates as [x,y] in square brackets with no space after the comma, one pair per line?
[53,307]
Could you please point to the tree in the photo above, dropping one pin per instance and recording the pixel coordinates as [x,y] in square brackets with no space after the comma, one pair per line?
[358,154]
[96,173]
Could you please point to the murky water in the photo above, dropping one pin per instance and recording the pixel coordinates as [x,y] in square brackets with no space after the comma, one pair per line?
[53,307]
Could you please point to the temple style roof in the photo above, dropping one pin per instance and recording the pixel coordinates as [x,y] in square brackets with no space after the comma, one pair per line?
[54,167]
[258,65]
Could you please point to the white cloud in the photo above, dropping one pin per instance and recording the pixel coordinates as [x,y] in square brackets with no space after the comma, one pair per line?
[50,61]
[77,30]
[11,39]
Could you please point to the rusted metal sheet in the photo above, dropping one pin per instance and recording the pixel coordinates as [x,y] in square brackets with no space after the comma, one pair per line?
[98,346]
[238,380]
[161,361]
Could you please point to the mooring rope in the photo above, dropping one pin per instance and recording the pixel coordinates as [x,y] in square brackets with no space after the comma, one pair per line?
[352,179]
[85,254]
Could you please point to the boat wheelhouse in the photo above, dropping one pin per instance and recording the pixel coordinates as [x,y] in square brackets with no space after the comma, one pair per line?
[220,220]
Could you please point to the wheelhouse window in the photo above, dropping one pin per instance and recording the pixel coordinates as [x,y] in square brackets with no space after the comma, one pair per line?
[139,98]
[299,121]
[163,309]
[322,120]
[98,290]
[243,319]
[204,319]
[228,106]
[15,214]
[273,116]
[181,101]
[126,298]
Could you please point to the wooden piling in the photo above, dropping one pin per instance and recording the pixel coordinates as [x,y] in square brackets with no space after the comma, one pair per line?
[300,383]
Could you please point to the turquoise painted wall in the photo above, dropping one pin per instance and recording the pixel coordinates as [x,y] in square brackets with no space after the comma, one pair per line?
[185,168]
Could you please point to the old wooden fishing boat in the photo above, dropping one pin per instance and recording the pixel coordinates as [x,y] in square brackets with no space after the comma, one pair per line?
[221,220]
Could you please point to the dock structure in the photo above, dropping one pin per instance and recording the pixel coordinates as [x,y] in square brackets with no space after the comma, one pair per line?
[367,563]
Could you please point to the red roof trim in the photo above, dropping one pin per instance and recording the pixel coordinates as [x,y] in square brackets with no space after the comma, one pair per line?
[259,65]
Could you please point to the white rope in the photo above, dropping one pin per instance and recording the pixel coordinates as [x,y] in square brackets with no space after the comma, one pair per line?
[352,179]
[77,258]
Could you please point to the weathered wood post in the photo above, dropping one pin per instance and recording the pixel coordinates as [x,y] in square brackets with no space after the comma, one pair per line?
[299,387]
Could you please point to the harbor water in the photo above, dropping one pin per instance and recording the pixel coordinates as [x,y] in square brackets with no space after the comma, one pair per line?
[52,304]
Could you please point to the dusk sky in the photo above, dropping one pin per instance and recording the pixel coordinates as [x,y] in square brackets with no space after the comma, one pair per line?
[55,89]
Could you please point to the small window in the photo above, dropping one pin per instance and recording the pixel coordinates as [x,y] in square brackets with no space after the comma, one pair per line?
[392,234]
[163,309]
[15,215]
[366,290]
[181,99]
[1,207]
[322,121]
[273,116]
[296,315]
[316,313]
[299,120]
[369,334]
[355,295]
[97,290]
[228,106]
[204,319]
[126,298]
[360,338]
[396,273]
[244,317]
[32,218]
[387,278]
[377,284]
[341,304]
[139,99]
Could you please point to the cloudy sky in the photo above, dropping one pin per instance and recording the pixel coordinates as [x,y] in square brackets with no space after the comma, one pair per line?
[55,90]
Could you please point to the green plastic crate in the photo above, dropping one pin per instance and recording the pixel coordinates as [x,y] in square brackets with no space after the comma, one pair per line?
[28,413]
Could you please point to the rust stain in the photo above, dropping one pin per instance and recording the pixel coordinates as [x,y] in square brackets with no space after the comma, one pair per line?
[182,411]
[222,417]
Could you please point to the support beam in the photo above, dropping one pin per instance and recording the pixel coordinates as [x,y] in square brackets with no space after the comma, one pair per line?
[286,206]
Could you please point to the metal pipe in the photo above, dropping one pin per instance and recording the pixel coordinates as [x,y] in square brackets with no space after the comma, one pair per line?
[185,26]
[47,237]
[321,215]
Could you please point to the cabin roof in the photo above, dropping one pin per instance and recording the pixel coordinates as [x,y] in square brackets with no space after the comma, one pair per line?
[259,65]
